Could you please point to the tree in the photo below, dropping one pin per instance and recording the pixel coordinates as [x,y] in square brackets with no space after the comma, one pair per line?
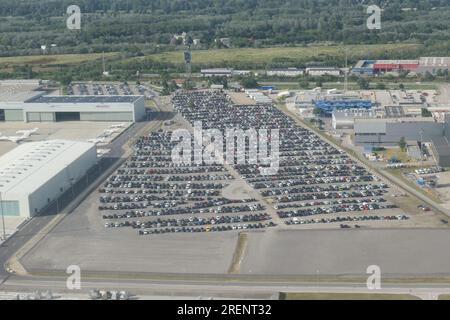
[165,91]
[402,144]
[304,84]
[249,83]
[401,86]
[219,80]
[426,113]
[381,86]
[65,79]
[363,83]
[188,85]
[428,76]
[317,112]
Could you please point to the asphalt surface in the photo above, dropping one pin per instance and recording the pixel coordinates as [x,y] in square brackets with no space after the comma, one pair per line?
[33,227]
[117,151]
[221,288]
[217,284]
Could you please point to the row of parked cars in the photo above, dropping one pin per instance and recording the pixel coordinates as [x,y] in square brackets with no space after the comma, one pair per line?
[310,169]
[189,222]
[334,209]
[296,221]
[208,229]
[107,89]
[151,193]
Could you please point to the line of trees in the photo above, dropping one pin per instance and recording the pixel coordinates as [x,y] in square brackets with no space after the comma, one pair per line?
[138,25]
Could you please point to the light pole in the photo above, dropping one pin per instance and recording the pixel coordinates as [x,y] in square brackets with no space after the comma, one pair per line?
[71,187]
[3,217]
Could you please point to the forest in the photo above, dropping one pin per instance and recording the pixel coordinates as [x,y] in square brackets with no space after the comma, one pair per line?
[139,27]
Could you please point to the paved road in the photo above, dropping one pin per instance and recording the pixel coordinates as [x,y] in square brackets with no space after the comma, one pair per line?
[245,288]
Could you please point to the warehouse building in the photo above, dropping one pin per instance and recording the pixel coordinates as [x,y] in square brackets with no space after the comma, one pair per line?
[441,145]
[388,132]
[35,174]
[425,64]
[433,65]
[323,71]
[441,150]
[345,119]
[327,106]
[217,72]
[364,67]
[285,72]
[395,65]
[37,107]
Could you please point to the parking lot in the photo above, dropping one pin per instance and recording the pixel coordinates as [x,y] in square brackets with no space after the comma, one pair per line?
[315,184]
[108,89]
[154,216]
[81,239]
[398,252]
[153,195]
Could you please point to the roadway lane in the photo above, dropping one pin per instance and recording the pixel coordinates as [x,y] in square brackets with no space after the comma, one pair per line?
[238,288]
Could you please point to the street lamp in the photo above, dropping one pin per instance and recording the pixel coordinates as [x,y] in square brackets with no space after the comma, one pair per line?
[3,217]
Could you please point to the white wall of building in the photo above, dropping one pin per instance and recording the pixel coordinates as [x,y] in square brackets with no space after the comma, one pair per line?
[36,183]
[137,109]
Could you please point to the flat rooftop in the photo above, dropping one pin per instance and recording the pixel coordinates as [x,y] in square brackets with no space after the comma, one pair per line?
[19,90]
[397,120]
[84,99]
[24,169]
[435,61]
[397,62]
[352,113]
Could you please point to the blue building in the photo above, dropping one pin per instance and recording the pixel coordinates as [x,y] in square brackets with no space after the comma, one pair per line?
[364,67]
[328,106]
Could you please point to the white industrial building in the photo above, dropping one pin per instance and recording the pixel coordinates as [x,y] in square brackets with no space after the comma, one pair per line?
[345,119]
[37,107]
[433,65]
[35,174]
[217,72]
[285,72]
[258,97]
[323,71]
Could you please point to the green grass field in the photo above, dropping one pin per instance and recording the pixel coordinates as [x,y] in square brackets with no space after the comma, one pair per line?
[49,60]
[265,55]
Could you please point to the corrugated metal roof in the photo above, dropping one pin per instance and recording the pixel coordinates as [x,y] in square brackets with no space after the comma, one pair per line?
[27,167]
[370,126]
[352,113]
[435,61]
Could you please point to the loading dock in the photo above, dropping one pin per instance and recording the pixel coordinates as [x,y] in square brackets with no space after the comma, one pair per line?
[67,116]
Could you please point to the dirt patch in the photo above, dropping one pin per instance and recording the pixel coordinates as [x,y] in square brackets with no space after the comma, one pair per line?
[238,254]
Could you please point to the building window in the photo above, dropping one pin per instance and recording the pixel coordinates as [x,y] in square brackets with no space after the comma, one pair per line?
[10,208]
